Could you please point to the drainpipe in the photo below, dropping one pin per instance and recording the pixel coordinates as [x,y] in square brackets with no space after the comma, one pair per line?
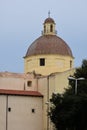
[48,102]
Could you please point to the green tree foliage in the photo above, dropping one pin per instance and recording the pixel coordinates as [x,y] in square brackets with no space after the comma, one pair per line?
[68,111]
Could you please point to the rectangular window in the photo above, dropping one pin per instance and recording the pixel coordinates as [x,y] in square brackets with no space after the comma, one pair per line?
[33,110]
[42,62]
[29,83]
[9,109]
[70,64]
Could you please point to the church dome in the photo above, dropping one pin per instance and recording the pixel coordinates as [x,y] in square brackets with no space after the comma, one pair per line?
[48,53]
[49,44]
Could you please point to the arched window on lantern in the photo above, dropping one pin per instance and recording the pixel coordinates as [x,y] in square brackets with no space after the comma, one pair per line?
[44,29]
[51,28]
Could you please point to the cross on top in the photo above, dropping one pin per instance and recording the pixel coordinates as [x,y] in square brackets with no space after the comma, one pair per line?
[49,14]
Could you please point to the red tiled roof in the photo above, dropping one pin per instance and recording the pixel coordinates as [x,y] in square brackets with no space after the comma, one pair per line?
[20,93]
[49,20]
[49,44]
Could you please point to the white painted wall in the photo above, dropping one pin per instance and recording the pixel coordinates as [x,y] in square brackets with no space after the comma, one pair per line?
[2,112]
[21,117]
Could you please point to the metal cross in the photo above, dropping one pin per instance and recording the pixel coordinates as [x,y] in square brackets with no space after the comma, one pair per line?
[49,14]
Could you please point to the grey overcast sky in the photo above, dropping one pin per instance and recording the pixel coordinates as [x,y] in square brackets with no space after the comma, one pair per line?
[21,22]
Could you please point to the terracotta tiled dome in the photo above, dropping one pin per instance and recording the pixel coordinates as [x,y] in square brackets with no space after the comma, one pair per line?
[49,20]
[49,44]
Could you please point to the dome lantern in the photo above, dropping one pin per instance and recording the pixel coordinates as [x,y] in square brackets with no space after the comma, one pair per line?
[49,26]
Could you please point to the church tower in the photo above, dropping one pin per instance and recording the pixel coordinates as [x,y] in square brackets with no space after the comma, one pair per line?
[48,53]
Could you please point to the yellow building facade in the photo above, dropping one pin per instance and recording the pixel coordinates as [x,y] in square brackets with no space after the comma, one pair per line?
[47,85]
[47,65]
[48,53]
[50,56]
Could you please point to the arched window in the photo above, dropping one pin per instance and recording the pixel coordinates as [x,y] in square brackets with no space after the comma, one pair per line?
[44,28]
[51,28]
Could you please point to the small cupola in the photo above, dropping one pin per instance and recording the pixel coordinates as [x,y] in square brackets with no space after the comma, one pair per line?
[49,26]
